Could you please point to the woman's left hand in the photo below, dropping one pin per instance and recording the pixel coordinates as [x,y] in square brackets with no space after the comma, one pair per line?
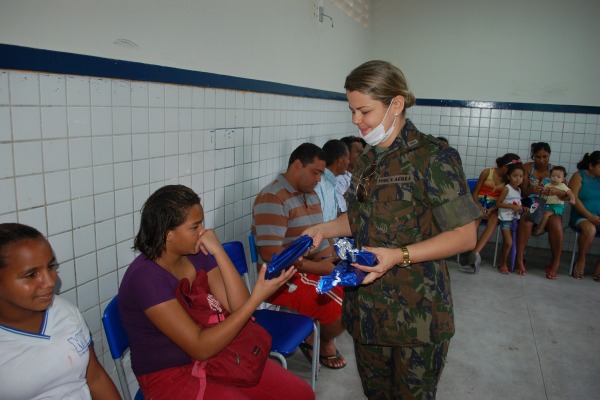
[387,259]
[264,288]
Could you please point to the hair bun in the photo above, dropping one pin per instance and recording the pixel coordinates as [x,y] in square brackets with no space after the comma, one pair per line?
[409,100]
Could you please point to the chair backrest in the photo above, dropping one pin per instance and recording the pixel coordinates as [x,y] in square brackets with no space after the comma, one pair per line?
[235,251]
[117,343]
[115,334]
[253,251]
[472,183]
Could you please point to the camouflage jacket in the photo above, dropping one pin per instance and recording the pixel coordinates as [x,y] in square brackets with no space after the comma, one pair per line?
[418,190]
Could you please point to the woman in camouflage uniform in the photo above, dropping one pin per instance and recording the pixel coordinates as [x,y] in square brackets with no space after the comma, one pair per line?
[408,203]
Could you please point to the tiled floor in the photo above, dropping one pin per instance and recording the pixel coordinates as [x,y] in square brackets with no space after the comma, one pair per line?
[516,338]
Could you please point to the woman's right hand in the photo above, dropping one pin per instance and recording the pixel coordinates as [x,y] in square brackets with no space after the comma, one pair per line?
[208,242]
[484,212]
[595,220]
[316,236]
[537,190]
[264,288]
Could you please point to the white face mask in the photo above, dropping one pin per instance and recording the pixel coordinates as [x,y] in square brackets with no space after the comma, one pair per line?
[378,134]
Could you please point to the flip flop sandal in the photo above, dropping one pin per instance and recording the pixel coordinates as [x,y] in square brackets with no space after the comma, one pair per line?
[334,357]
[596,277]
[503,270]
[578,274]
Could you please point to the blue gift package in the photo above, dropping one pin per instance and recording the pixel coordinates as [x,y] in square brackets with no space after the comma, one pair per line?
[286,258]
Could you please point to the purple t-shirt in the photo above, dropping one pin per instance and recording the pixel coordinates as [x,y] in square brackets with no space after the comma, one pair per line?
[144,285]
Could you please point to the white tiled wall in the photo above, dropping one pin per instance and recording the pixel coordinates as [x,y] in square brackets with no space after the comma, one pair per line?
[80,155]
[482,135]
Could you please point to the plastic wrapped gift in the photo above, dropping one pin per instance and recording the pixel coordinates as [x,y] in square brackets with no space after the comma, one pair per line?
[346,251]
[343,274]
[286,258]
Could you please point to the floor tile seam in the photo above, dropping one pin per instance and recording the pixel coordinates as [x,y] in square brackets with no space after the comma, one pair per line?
[535,342]
[522,316]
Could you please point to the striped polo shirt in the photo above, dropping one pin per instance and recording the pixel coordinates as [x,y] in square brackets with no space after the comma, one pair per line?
[280,213]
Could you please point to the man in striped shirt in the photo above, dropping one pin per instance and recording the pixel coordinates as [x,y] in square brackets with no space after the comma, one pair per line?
[281,212]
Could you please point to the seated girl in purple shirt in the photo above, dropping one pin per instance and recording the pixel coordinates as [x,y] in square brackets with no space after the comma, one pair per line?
[163,338]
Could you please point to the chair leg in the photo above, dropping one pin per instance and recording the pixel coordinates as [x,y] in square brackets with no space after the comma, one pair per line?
[573,254]
[315,355]
[280,357]
[123,380]
[496,249]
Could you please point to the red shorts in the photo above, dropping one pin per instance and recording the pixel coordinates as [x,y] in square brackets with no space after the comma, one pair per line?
[305,300]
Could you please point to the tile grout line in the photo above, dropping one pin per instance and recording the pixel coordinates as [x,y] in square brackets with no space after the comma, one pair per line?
[533,336]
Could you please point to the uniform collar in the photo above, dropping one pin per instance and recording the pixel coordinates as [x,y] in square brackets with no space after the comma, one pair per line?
[41,335]
[407,139]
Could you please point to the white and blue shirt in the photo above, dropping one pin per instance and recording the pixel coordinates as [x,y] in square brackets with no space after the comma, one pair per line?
[326,191]
[51,364]
[343,183]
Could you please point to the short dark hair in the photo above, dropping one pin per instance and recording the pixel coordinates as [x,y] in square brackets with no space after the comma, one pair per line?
[589,158]
[306,153]
[560,168]
[165,210]
[443,139]
[12,232]
[334,149]
[353,139]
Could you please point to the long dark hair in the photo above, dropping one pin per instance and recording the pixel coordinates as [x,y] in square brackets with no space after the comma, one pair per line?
[507,159]
[165,210]
[535,147]
[12,232]
[589,158]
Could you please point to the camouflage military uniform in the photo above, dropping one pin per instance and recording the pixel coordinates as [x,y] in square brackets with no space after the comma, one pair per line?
[416,191]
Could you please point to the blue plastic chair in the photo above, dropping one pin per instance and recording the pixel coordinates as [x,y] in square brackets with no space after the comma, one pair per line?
[117,343]
[287,330]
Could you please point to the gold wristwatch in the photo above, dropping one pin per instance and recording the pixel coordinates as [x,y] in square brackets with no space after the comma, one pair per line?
[405,257]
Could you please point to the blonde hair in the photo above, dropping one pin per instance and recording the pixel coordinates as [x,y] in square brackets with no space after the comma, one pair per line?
[381,81]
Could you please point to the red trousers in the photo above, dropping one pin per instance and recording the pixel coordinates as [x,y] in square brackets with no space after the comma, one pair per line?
[179,383]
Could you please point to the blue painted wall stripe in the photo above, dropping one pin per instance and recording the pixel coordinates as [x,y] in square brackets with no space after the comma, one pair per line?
[30,59]
[510,106]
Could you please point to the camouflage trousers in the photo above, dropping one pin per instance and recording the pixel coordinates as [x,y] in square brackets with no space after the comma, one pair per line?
[400,372]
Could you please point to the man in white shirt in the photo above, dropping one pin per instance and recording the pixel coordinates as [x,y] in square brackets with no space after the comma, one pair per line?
[355,146]
[336,163]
